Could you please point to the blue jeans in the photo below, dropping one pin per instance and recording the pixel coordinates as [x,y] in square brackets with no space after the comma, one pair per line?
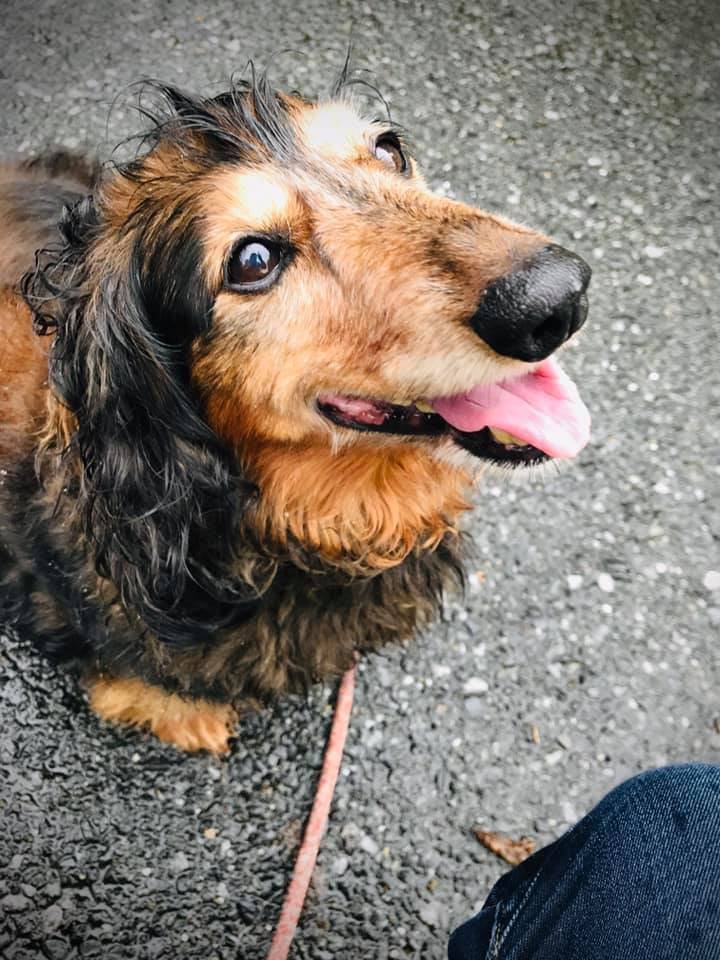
[637,879]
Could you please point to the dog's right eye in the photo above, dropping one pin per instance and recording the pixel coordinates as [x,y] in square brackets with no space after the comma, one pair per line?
[253,265]
[389,152]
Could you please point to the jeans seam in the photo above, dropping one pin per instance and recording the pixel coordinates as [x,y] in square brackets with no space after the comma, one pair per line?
[500,931]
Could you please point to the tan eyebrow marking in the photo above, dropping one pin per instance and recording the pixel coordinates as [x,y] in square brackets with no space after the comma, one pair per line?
[248,199]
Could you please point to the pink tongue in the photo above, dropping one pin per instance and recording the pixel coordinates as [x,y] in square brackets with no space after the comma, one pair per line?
[542,408]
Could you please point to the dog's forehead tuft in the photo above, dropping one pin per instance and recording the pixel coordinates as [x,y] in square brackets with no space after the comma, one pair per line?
[334,130]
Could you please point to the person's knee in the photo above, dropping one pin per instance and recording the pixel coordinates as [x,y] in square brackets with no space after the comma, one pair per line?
[694,784]
[682,799]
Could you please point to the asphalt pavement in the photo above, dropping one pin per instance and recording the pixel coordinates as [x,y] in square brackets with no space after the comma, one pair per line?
[586,648]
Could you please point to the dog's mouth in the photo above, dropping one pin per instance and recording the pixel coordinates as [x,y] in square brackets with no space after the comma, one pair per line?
[520,422]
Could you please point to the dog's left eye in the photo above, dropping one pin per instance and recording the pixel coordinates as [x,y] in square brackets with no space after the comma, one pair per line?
[389,151]
[253,264]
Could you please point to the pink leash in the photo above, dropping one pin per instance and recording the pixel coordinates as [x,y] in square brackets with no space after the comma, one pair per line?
[315,829]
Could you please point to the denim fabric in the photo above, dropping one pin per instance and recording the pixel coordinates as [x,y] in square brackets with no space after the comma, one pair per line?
[637,879]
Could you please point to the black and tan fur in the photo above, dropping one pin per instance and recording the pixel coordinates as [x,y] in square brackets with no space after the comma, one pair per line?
[175,517]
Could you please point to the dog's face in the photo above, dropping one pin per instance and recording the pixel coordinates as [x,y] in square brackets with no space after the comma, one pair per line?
[348,296]
[359,343]
[339,275]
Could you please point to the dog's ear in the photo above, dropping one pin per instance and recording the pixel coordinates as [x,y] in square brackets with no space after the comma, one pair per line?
[156,493]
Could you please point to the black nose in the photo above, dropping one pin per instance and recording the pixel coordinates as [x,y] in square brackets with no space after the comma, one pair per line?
[528,313]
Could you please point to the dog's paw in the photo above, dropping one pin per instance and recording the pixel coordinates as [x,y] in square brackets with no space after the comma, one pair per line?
[208,726]
[191,725]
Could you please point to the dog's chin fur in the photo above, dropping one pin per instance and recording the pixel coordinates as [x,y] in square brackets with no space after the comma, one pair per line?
[163,518]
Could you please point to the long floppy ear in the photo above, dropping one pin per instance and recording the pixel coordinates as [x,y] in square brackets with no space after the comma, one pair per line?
[157,497]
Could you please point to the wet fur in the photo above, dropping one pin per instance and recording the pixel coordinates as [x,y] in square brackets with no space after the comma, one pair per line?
[163,516]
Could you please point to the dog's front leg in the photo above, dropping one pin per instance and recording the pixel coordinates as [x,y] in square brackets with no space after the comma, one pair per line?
[188,724]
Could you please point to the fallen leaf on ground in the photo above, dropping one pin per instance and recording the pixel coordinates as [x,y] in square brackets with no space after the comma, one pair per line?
[511,851]
[291,834]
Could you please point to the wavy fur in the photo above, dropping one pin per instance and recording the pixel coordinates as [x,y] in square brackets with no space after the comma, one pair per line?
[172,511]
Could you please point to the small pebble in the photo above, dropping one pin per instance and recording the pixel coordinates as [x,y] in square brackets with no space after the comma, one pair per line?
[474,706]
[606,583]
[368,845]
[179,863]
[711,580]
[432,913]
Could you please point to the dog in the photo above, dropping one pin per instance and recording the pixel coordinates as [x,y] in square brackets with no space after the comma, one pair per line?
[248,379]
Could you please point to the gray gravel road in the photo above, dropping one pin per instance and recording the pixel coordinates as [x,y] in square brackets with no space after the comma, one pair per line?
[594,612]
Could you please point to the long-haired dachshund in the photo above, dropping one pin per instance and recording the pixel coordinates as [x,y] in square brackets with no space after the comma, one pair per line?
[243,392]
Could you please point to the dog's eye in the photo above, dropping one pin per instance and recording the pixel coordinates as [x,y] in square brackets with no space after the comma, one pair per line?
[389,151]
[253,264]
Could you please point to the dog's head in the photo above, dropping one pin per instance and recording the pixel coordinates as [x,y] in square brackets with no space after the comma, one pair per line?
[271,288]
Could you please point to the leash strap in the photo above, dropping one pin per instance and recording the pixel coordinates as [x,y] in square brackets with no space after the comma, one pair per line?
[317,823]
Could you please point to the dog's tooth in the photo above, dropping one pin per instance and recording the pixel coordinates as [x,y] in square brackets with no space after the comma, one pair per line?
[423,406]
[503,437]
